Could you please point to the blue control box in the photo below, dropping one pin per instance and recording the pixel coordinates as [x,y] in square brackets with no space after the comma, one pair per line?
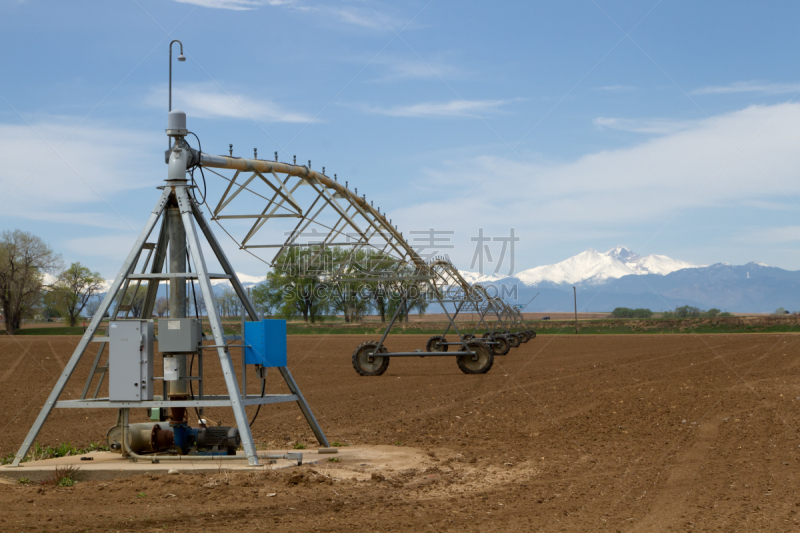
[266,343]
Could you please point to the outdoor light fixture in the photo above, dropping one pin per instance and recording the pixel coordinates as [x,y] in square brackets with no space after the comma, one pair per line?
[180,58]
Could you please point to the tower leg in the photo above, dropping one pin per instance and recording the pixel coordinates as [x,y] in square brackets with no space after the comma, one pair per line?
[251,311]
[216,326]
[90,331]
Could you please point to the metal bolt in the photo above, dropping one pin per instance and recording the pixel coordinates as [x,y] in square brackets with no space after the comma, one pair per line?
[230,149]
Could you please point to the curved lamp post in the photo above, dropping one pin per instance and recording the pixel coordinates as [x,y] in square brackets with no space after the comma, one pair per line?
[180,58]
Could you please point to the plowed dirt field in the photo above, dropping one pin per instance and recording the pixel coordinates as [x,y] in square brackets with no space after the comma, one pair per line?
[603,433]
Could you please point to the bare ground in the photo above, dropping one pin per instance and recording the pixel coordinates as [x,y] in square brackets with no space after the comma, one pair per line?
[606,433]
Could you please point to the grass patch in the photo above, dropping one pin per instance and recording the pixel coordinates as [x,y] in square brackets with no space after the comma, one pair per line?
[299,446]
[337,444]
[64,476]
[77,330]
[23,481]
[667,326]
[39,453]
[334,460]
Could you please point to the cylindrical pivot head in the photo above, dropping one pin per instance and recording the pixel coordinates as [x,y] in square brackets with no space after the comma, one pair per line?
[176,123]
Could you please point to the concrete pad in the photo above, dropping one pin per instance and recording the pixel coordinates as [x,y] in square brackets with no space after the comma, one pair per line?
[360,461]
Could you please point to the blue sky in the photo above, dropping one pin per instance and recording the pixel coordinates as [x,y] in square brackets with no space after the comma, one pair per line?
[667,127]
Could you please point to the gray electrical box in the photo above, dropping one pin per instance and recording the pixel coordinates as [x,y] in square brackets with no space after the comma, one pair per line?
[179,335]
[130,360]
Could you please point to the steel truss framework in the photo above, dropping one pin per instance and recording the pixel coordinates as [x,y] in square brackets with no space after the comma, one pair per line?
[177,202]
[346,241]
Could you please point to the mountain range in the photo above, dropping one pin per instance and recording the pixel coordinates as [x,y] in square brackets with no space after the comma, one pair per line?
[621,278]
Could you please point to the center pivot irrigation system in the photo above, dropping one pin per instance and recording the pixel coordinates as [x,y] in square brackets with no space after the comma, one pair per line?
[130,364]
[313,228]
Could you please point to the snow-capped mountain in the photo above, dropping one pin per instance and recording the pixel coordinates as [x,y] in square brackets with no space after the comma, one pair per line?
[246,279]
[591,267]
[477,277]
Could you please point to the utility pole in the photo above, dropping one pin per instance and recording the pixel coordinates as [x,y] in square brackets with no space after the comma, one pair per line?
[575,295]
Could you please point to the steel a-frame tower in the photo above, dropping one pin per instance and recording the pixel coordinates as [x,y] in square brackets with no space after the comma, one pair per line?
[180,215]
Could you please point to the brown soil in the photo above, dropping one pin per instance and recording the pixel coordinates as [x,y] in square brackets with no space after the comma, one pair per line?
[606,433]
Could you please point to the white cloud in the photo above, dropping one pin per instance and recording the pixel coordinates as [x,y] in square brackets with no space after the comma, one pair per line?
[397,68]
[616,88]
[353,15]
[94,164]
[699,167]
[207,100]
[453,108]
[649,125]
[116,246]
[235,5]
[750,87]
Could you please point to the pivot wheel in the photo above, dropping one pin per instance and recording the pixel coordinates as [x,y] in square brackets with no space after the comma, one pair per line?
[532,334]
[502,347]
[513,340]
[480,363]
[468,336]
[367,364]
[524,336]
[435,344]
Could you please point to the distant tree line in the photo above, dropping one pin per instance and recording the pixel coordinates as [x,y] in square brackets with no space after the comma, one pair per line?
[626,312]
[292,290]
[684,311]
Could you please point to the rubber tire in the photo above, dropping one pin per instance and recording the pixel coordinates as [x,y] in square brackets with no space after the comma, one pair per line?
[484,362]
[524,336]
[504,347]
[467,337]
[487,335]
[513,340]
[361,352]
[433,343]
[532,334]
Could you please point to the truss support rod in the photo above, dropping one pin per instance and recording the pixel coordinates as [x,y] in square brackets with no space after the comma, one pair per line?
[251,311]
[231,383]
[87,337]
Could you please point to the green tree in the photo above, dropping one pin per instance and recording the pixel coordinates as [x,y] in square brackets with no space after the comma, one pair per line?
[626,312]
[295,284]
[132,299]
[161,306]
[713,312]
[348,292]
[24,260]
[687,311]
[74,288]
